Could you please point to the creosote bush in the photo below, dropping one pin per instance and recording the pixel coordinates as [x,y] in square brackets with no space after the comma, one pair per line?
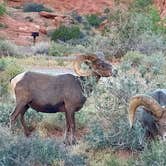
[8,49]
[110,127]
[134,30]
[94,20]
[18,150]
[34,7]
[41,48]
[59,49]
[2,9]
[64,33]
[9,69]
[153,154]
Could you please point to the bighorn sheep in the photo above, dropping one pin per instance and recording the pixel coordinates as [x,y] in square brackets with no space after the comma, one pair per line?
[153,112]
[62,93]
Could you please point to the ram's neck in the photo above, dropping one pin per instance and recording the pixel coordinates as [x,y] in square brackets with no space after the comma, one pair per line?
[88,84]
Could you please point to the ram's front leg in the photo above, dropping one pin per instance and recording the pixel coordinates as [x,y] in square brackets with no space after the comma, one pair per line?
[67,131]
[72,128]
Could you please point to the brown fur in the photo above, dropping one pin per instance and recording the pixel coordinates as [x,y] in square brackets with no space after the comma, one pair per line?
[51,94]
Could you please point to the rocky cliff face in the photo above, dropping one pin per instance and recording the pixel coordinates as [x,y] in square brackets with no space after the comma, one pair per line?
[19,25]
[161,4]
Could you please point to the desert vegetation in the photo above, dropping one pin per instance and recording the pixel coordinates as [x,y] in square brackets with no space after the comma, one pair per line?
[131,38]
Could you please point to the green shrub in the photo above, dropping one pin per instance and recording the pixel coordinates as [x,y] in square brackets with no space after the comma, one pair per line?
[8,49]
[113,161]
[154,154]
[135,58]
[5,110]
[41,48]
[110,126]
[150,43]
[2,9]
[57,49]
[34,7]
[2,64]
[94,20]
[31,151]
[141,4]
[10,70]
[135,30]
[64,33]
[151,65]
[13,69]
[17,150]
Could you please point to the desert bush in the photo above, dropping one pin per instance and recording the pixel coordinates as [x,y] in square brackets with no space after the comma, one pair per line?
[141,4]
[64,33]
[148,66]
[5,110]
[10,70]
[150,43]
[135,30]
[41,48]
[59,49]
[2,64]
[29,151]
[152,155]
[134,58]
[112,161]
[110,127]
[8,49]
[94,20]
[2,9]
[34,7]
[18,150]
[97,43]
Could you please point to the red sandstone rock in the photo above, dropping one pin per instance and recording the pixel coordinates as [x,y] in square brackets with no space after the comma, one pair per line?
[48,15]
[161,4]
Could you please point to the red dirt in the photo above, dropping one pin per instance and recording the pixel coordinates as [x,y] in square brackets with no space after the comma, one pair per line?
[66,6]
[125,154]
[57,133]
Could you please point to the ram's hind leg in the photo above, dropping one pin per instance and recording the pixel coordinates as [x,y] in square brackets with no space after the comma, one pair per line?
[20,107]
[22,120]
[70,118]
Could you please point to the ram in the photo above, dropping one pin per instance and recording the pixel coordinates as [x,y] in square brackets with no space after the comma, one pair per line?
[61,93]
[152,112]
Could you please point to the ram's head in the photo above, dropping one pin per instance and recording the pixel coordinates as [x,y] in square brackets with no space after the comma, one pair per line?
[151,106]
[96,66]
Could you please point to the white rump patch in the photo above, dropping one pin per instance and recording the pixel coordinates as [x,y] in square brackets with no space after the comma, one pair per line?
[14,81]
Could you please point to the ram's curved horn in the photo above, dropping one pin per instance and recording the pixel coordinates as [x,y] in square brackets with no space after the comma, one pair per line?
[81,59]
[147,101]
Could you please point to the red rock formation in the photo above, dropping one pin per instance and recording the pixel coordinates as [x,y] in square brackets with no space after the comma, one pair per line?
[19,32]
[66,6]
[161,4]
